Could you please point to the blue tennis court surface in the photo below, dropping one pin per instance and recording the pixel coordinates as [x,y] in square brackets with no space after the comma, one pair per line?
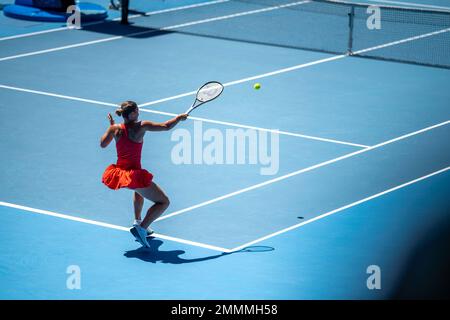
[353,172]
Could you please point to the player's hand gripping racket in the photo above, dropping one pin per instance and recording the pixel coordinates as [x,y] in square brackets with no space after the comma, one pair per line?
[208,92]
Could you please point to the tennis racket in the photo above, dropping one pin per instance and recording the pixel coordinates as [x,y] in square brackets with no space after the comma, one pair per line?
[207,92]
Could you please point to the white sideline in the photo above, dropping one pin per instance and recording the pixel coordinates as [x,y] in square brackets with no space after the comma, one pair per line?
[256,77]
[412,4]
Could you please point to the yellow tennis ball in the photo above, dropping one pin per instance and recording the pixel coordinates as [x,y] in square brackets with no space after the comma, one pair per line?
[257,86]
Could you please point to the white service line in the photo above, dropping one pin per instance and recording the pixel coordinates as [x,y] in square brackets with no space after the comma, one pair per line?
[252,78]
[107,225]
[150,13]
[168,28]
[18,36]
[412,4]
[288,69]
[393,43]
[231,124]
[295,173]
[76,45]
[229,16]
[190,117]
[43,93]
[338,210]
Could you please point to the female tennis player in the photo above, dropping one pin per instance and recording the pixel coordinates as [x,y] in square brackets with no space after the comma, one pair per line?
[128,173]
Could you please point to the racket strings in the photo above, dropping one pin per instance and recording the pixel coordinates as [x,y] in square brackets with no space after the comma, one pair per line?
[209,91]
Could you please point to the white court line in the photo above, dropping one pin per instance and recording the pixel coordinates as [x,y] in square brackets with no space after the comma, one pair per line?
[190,117]
[338,210]
[43,93]
[264,75]
[422,36]
[295,173]
[412,4]
[108,225]
[168,28]
[231,124]
[33,34]
[150,13]
[77,45]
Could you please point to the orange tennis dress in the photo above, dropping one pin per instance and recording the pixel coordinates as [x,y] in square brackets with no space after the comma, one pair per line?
[127,172]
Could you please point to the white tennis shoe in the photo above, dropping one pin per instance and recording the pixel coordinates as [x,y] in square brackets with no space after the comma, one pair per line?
[150,231]
[140,234]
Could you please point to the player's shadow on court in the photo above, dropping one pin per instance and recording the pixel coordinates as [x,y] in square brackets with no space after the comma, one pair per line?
[154,255]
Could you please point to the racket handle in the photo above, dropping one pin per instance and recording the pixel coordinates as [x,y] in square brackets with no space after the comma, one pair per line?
[189,110]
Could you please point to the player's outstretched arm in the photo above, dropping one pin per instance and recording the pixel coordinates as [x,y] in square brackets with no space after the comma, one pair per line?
[163,126]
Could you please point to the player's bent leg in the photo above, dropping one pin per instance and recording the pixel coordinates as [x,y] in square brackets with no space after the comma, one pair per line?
[161,200]
[138,203]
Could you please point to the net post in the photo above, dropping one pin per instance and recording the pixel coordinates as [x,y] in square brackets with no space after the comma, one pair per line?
[351,19]
[124,11]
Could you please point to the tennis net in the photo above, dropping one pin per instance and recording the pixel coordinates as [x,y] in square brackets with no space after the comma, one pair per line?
[411,35]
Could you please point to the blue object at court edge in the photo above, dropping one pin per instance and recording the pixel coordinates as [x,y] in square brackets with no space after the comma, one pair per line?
[89,12]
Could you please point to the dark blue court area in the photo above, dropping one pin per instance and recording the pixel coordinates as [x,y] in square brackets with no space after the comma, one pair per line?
[342,188]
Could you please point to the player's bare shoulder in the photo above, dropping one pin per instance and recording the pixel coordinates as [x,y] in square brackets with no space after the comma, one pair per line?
[136,132]
[141,127]
[116,130]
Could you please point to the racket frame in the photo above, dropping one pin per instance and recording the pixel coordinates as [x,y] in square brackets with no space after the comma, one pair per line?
[195,104]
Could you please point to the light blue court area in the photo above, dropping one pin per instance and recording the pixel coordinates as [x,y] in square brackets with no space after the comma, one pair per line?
[350,169]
